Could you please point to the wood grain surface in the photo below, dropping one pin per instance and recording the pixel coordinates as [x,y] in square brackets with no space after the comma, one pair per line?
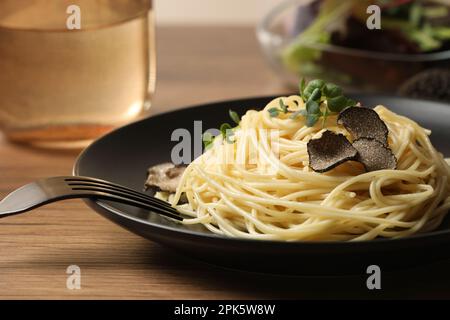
[195,65]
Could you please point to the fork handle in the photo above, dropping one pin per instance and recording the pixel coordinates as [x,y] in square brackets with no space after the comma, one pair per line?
[106,197]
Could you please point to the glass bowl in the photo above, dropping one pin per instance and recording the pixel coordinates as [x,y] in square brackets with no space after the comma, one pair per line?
[353,69]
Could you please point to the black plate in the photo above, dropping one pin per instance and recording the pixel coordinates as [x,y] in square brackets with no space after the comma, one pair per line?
[124,155]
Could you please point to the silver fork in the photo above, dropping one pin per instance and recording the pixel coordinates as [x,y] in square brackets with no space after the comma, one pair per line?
[54,189]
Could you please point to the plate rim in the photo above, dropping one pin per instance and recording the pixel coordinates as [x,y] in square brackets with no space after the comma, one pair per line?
[100,205]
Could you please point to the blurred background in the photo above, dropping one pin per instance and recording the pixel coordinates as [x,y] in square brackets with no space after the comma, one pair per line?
[212,12]
[66,87]
[408,55]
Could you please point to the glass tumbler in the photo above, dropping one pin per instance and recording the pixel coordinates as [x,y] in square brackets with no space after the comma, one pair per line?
[72,70]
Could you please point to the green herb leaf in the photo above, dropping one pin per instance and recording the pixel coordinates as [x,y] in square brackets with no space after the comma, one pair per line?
[227,132]
[302,88]
[223,129]
[331,90]
[337,104]
[321,99]
[325,115]
[351,102]
[234,116]
[316,83]
[208,139]
[312,107]
[283,107]
[315,95]
[324,99]
[313,88]
[301,112]
[274,112]
[311,119]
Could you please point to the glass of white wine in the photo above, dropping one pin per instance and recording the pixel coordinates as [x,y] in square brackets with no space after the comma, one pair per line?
[72,70]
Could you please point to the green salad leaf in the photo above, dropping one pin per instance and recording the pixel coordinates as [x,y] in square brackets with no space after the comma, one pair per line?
[303,49]
[416,20]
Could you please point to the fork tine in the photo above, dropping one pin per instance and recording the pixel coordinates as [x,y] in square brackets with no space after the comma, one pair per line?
[125,195]
[167,211]
[98,185]
[142,196]
[85,181]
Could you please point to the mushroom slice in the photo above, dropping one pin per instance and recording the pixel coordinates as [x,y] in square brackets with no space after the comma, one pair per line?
[364,122]
[329,151]
[165,176]
[374,155]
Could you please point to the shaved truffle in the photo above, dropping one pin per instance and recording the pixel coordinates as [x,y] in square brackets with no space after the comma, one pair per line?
[329,151]
[374,155]
[165,176]
[364,123]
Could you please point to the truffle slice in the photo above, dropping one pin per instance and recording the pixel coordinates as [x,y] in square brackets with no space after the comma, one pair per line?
[364,123]
[329,151]
[165,176]
[374,155]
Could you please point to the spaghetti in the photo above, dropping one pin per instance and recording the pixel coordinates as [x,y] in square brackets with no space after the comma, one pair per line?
[261,186]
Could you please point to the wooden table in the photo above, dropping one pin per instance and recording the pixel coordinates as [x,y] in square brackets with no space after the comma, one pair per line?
[195,65]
